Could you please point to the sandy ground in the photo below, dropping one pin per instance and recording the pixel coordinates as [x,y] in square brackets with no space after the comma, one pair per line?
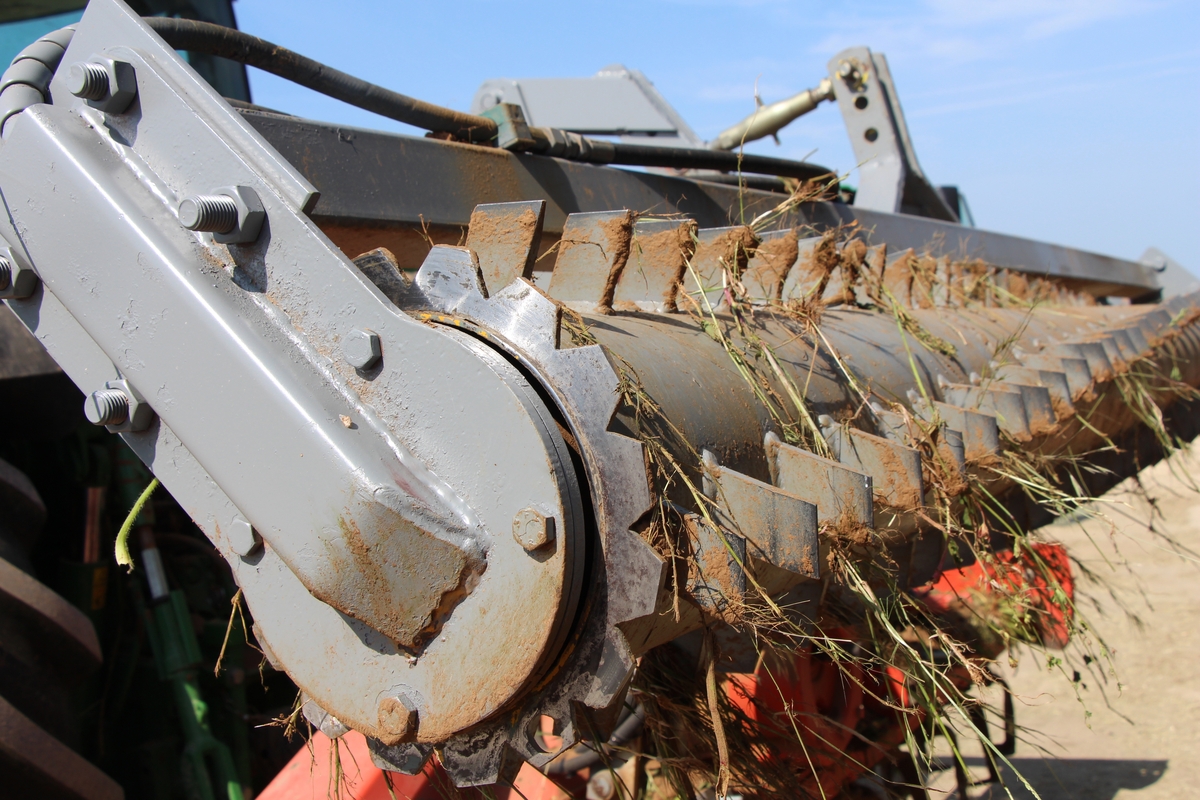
[1142,738]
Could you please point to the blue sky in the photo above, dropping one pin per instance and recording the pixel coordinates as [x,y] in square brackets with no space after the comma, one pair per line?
[1072,121]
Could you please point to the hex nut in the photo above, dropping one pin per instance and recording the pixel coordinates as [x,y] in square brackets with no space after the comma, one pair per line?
[17,279]
[243,538]
[361,349]
[232,214]
[250,215]
[532,529]
[139,415]
[397,719]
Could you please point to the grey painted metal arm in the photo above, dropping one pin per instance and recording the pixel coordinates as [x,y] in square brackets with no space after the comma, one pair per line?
[890,179]
[380,518]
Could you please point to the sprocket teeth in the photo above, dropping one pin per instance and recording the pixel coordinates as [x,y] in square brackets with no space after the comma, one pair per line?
[535,319]
[407,759]
[481,757]
[587,685]
[448,277]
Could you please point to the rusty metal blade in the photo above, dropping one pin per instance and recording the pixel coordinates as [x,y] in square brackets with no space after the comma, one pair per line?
[592,253]
[505,238]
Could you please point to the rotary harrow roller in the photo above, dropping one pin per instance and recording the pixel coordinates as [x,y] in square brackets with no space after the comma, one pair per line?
[467,499]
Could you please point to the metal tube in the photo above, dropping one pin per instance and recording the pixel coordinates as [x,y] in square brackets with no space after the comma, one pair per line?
[694,380]
[769,119]
[217,40]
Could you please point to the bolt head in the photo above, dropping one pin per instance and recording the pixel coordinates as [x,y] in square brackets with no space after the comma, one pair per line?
[532,529]
[361,349]
[243,538]
[397,719]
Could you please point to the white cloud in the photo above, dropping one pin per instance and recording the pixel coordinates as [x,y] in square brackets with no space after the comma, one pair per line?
[969,30]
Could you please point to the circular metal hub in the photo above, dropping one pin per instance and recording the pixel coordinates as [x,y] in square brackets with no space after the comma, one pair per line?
[508,461]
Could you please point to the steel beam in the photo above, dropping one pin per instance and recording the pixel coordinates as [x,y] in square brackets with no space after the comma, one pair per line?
[381,189]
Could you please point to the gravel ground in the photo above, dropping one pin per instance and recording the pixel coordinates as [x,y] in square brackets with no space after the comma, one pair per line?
[1142,738]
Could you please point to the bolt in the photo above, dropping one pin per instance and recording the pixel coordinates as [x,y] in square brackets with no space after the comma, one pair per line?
[107,407]
[89,81]
[107,84]
[361,349]
[846,70]
[6,273]
[243,538]
[397,719]
[214,213]
[532,529]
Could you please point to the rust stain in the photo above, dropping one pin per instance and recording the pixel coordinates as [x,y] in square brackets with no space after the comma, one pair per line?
[400,580]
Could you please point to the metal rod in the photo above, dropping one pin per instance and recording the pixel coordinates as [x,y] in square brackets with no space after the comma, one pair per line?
[770,119]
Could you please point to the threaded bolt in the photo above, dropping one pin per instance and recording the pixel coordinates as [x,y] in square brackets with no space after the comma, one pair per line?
[107,407]
[89,81]
[214,213]
[6,273]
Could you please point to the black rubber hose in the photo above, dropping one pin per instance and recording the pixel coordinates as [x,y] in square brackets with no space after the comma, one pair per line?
[217,40]
[629,727]
[645,155]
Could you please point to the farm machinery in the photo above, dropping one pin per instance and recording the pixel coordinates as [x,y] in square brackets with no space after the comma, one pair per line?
[707,477]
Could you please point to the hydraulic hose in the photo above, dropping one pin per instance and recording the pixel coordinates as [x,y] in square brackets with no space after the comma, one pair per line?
[630,726]
[644,155]
[217,40]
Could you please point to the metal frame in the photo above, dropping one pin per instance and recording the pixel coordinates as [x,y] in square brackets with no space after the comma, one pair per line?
[382,189]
